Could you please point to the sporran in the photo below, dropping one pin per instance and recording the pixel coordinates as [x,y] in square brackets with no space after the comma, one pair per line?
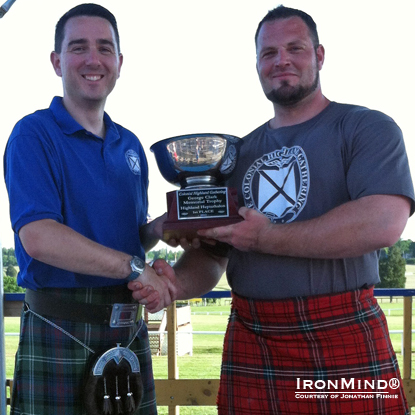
[113,383]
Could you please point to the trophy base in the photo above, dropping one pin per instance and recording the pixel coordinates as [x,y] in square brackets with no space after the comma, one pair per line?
[177,227]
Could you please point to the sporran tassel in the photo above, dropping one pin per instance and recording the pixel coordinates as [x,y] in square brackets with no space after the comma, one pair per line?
[130,405]
[113,383]
[118,402]
[107,407]
[118,405]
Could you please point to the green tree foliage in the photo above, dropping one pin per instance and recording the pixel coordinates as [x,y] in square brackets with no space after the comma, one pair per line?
[9,257]
[10,285]
[168,255]
[392,268]
[405,247]
[411,250]
[11,271]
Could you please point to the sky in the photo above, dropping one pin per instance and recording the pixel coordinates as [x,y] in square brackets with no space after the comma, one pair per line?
[189,67]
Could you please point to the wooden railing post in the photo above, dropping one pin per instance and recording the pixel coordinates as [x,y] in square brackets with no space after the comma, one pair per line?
[407,337]
[408,383]
[172,369]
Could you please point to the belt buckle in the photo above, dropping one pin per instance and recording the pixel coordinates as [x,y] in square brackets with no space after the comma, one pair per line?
[123,315]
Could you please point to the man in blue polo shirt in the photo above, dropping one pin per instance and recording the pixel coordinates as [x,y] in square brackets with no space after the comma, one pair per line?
[77,185]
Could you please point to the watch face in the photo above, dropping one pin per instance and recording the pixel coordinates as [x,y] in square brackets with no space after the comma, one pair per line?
[138,264]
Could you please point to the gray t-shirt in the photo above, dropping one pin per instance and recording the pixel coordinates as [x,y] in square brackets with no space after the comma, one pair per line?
[300,172]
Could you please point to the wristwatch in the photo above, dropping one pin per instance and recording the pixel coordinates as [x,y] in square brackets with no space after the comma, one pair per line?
[137,268]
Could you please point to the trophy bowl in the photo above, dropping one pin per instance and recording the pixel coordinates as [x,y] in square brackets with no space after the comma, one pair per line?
[197,160]
[199,164]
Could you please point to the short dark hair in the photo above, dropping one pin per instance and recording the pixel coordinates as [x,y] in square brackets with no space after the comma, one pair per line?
[87,9]
[282,12]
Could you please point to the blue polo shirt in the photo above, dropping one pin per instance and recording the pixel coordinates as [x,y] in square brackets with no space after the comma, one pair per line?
[55,169]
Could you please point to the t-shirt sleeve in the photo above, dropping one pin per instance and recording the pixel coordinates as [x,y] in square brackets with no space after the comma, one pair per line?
[378,162]
[32,179]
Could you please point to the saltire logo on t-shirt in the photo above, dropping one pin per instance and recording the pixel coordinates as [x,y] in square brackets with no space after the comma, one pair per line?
[133,161]
[277,184]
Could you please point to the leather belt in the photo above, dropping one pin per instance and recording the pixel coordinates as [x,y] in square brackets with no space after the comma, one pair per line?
[116,315]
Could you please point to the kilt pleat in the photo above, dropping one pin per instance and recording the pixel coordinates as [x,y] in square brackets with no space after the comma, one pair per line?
[310,355]
[50,366]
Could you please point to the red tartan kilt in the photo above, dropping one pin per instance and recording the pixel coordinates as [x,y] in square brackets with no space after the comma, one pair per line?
[315,355]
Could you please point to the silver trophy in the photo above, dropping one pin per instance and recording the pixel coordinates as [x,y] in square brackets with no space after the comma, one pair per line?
[199,164]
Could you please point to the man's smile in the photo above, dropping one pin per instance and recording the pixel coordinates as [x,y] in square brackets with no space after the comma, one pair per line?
[93,78]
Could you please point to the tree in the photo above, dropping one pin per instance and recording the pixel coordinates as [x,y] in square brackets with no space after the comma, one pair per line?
[9,257]
[168,255]
[11,271]
[392,269]
[10,285]
[405,247]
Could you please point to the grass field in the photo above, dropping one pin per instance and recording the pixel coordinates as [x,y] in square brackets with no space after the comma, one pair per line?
[207,349]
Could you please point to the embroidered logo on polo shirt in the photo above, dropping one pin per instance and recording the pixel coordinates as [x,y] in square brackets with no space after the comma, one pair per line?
[277,184]
[133,161]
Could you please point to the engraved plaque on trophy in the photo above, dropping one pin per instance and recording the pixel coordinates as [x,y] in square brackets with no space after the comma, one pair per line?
[199,164]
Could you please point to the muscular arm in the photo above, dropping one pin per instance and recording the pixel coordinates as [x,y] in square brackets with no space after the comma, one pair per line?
[349,230]
[60,246]
[152,232]
[352,229]
[197,273]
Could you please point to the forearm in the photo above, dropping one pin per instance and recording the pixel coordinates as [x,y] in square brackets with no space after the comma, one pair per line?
[60,246]
[197,273]
[151,233]
[147,237]
[350,230]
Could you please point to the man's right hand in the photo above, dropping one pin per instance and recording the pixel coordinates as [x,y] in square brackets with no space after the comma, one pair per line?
[155,287]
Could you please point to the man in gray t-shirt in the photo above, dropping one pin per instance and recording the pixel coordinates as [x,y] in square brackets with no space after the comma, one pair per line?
[299,173]
[323,186]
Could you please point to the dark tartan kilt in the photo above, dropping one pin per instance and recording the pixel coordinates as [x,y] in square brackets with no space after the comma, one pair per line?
[271,347]
[50,366]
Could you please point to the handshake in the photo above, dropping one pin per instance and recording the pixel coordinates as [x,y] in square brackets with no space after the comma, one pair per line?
[156,287]
[197,272]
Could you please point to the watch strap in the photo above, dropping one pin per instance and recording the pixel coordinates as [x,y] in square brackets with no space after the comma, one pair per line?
[137,268]
[134,275]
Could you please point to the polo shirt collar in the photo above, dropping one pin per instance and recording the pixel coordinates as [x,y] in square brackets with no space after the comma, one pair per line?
[69,126]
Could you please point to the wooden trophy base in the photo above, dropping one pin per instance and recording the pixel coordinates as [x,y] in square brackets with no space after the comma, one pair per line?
[194,209]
